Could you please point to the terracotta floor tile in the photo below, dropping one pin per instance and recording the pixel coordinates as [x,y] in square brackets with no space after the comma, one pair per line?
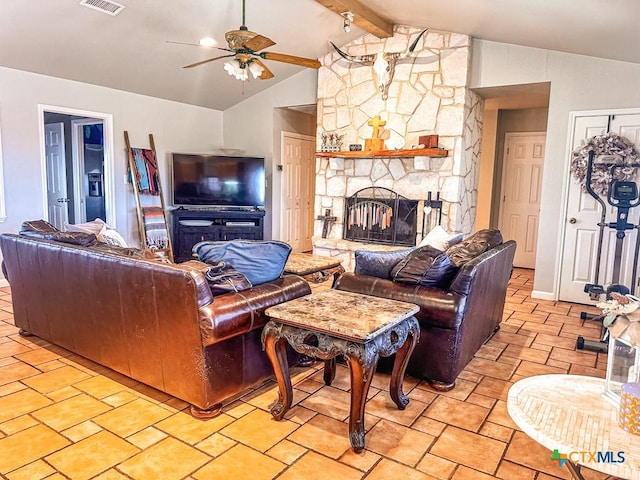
[120,398]
[466,473]
[81,431]
[512,471]
[13,405]
[71,411]
[91,456]
[286,452]
[63,393]
[238,409]
[502,371]
[481,400]
[388,469]
[28,446]
[56,379]
[397,442]
[382,406]
[259,430]
[580,357]
[519,307]
[454,412]
[564,366]
[329,401]
[37,356]
[500,415]
[493,387]
[17,424]
[499,432]
[169,459]
[470,449]
[525,451]
[10,388]
[11,348]
[131,417]
[190,430]
[241,463]
[299,414]
[324,435]
[52,365]
[436,466]
[313,466]
[99,386]
[525,353]
[422,393]
[16,371]
[147,437]
[531,317]
[529,369]
[489,352]
[467,376]
[429,426]
[111,474]
[216,444]
[524,339]
[363,461]
[37,469]
[462,390]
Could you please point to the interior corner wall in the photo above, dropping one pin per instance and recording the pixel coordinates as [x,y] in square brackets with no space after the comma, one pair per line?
[485,174]
[176,127]
[250,126]
[577,83]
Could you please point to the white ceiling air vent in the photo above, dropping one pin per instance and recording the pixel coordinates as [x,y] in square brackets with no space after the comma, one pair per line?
[104,6]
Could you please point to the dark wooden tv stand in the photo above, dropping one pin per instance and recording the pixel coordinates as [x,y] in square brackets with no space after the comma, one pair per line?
[190,226]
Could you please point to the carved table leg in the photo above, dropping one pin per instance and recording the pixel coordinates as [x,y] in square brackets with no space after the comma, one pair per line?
[275,348]
[361,367]
[400,365]
[329,371]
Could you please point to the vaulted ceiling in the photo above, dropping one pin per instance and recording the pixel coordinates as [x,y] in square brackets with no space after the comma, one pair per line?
[132,51]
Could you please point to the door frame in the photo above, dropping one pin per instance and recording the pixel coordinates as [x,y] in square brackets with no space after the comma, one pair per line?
[564,208]
[77,143]
[109,162]
[311,139]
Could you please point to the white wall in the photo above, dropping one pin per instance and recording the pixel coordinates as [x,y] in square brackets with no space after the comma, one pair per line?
[577,83]
[250,127]
[175,127]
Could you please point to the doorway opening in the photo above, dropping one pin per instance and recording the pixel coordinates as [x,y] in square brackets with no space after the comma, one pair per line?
[77,165]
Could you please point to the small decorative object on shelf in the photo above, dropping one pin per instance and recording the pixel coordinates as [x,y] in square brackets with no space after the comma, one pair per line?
[327,220]
[375,142]
[429,141]
[331,142]
[355,147]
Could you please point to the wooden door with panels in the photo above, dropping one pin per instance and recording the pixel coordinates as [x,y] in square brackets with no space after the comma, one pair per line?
[581,231]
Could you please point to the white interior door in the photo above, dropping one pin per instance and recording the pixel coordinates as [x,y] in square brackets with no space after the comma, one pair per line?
[57,200]
[581,237]
[298,170]
[521,183]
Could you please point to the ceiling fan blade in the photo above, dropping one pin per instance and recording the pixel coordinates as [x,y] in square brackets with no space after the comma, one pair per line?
[266,73]
[208,60]
[258,43]
[283,57]
[198,45]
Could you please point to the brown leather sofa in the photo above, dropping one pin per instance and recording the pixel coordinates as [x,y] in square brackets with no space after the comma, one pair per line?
[454,321]
[155,322]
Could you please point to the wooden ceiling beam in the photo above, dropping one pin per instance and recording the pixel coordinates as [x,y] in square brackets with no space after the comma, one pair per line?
[363,16]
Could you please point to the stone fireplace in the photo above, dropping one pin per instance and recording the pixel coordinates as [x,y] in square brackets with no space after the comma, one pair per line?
[428,95]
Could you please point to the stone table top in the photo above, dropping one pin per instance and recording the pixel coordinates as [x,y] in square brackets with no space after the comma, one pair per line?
[305,263]
[343,314]
[569,413]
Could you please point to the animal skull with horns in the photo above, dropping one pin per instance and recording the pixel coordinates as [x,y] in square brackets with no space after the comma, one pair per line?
[383,63]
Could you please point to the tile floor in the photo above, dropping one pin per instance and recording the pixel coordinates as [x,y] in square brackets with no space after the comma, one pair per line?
[62,416]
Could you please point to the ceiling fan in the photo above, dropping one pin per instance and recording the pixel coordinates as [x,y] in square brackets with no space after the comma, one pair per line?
[245,46]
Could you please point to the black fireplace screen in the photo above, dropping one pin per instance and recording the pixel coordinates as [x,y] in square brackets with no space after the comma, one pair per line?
[380,215]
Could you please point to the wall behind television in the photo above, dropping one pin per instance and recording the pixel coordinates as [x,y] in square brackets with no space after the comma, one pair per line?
[175,127]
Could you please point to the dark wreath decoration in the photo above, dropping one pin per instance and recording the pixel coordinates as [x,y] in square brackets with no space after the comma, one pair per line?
[611,148]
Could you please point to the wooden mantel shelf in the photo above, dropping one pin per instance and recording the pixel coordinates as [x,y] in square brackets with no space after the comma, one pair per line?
[416,152]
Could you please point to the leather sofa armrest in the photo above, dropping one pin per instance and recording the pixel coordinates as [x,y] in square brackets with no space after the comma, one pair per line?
[437,307]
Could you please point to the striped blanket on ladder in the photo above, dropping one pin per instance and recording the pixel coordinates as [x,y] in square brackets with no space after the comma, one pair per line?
[155,228]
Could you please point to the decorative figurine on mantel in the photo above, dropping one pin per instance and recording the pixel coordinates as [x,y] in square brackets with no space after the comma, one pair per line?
[375,143]
[331,142]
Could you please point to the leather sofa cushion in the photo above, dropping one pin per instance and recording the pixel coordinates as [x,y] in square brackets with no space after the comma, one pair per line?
[425,266]
[45,231]
[378,263]
[474,245]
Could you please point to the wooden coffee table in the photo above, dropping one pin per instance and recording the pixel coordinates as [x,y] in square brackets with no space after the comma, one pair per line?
[313,268]
[569,414]
[331,323]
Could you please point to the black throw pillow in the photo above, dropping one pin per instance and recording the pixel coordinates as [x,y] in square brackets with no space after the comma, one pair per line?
[425,266]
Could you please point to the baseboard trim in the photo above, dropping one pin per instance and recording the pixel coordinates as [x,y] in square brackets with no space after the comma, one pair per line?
[543,295]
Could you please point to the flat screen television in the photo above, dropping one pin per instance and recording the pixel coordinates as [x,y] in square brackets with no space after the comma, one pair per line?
[217,180]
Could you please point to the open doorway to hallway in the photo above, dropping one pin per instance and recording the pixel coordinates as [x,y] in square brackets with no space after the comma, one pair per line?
[514,130]
[77,166]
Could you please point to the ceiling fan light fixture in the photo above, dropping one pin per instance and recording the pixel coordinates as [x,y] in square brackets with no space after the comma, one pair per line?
[255,69]
[235,69]
[348,18]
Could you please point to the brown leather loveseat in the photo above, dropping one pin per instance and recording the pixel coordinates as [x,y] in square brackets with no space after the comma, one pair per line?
[155,322]
[455,318]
